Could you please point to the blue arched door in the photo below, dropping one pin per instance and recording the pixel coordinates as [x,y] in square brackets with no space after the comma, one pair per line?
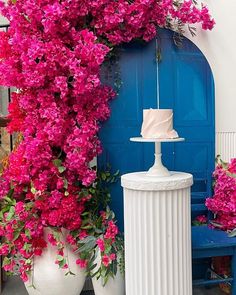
[186,86]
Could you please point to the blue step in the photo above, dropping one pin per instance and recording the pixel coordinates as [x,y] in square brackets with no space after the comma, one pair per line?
[204,237]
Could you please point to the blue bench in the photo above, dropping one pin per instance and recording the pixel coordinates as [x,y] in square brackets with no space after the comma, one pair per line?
[207,242]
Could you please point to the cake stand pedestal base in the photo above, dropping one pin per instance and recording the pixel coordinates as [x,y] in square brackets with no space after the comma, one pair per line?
[157,170]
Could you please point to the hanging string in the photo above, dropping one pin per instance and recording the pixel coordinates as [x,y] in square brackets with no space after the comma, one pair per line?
[157,77]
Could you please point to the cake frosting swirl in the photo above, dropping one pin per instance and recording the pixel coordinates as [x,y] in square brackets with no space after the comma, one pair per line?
[158,123]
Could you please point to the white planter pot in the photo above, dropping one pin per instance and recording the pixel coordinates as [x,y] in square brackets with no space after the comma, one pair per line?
[49,279]
[114,286]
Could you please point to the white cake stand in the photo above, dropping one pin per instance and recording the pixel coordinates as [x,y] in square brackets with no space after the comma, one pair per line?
[157,170]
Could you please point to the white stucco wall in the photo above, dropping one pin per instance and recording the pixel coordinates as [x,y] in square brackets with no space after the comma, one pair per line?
[3,20]
[219,47]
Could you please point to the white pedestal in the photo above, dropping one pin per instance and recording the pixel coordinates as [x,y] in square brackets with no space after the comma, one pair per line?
[157,234]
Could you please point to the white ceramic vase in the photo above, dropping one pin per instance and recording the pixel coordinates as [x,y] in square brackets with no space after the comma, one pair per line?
[114,286]
[49,279]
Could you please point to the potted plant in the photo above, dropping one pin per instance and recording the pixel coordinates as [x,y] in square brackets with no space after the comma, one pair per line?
[103,253]
[35,236]
[99,243]
[44,253]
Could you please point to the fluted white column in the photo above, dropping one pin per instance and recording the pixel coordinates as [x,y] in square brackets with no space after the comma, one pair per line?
[157,234]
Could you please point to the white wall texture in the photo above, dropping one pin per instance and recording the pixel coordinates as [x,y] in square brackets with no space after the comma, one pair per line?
[218,46]
[3,20]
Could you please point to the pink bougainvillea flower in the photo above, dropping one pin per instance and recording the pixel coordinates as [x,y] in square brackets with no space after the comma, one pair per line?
[101,245]
[223,202]
[106,260]
[201,218]
[82,263]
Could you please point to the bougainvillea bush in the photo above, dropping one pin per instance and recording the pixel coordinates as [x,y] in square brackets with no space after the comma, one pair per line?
[223,202]
[52,55]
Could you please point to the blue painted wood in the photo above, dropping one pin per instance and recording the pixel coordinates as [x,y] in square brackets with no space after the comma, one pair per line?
[204,237]
[188,89]
[234,272]
[138,73]
[207,242]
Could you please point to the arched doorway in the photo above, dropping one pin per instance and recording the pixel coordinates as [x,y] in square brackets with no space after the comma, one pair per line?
[185,84]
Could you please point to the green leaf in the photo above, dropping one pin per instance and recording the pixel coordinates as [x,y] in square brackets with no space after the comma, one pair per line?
[70,273]
[219,161]
[27,233]
[11,213]
[231,174]
[65,184]
[92,190]
[117,173]
[16,234]
[92,275]
[87,246]
[61,169]
[87,239]
[108,249]
[103,175]
[60,258]
[9,200]
[57,162]
[103,272]
[10,193]
[114,270]
[90,268]
[232,233]
[33,190]
[98,231]
[25,189]
[62,263]
[32,286]
[6,261]
[27,247]
[216,224]
[87,227]
[28,261]
[106,278]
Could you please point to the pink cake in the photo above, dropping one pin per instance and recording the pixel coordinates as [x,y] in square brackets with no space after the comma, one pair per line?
[158,123]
